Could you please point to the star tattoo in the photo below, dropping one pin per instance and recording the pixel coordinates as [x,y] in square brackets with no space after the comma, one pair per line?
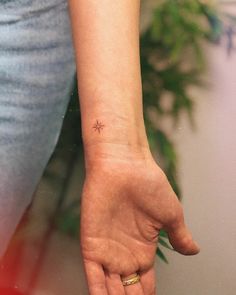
[98,126]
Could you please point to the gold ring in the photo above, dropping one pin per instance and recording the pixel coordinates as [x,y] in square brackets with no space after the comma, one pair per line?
[131,280]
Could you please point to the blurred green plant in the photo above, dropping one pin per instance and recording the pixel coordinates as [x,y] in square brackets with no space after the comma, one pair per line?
[172,60]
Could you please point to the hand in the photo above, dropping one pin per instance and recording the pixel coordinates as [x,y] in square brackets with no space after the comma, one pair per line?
[125,203]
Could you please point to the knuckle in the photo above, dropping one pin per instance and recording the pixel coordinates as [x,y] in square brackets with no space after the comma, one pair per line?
[174,219]
[146,263]
[178,213]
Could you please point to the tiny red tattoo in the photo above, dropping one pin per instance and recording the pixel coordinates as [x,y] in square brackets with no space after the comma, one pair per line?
[98,126]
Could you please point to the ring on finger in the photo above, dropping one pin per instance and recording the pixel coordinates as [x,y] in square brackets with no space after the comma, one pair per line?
[133,279]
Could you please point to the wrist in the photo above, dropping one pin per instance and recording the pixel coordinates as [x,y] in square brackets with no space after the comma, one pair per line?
[102,125]
[111,136]
[107,153]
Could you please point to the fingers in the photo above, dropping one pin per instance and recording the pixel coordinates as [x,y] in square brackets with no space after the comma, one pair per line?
[101,283]
[135,289]
[146,286]
[148,282]
[95,277]
[182,241]
[114,284]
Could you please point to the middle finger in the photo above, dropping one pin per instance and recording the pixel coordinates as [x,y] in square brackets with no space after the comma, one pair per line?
[114,284]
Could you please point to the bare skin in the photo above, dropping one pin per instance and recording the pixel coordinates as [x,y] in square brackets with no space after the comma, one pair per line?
[126,197]
[124,205]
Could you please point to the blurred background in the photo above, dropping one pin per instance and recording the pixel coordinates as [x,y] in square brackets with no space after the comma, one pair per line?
[188,59]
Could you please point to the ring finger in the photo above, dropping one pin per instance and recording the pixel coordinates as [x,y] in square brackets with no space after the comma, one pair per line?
[134,289]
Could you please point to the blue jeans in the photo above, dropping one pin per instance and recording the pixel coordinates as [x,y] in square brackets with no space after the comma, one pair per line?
[37,70]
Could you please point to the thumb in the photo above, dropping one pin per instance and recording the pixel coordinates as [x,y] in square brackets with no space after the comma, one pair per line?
[181,239]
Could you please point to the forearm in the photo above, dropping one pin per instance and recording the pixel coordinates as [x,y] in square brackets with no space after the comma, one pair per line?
[106,40]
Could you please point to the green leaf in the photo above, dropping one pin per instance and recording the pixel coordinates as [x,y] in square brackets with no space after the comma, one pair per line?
[68,222]
[165,244]
[161,255]
[163,234]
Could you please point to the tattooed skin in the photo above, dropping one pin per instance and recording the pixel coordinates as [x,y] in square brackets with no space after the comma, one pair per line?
[98,126]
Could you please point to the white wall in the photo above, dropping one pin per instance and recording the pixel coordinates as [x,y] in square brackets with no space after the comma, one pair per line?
[207,172]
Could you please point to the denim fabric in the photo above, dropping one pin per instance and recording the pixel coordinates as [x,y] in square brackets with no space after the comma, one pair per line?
[37,70]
